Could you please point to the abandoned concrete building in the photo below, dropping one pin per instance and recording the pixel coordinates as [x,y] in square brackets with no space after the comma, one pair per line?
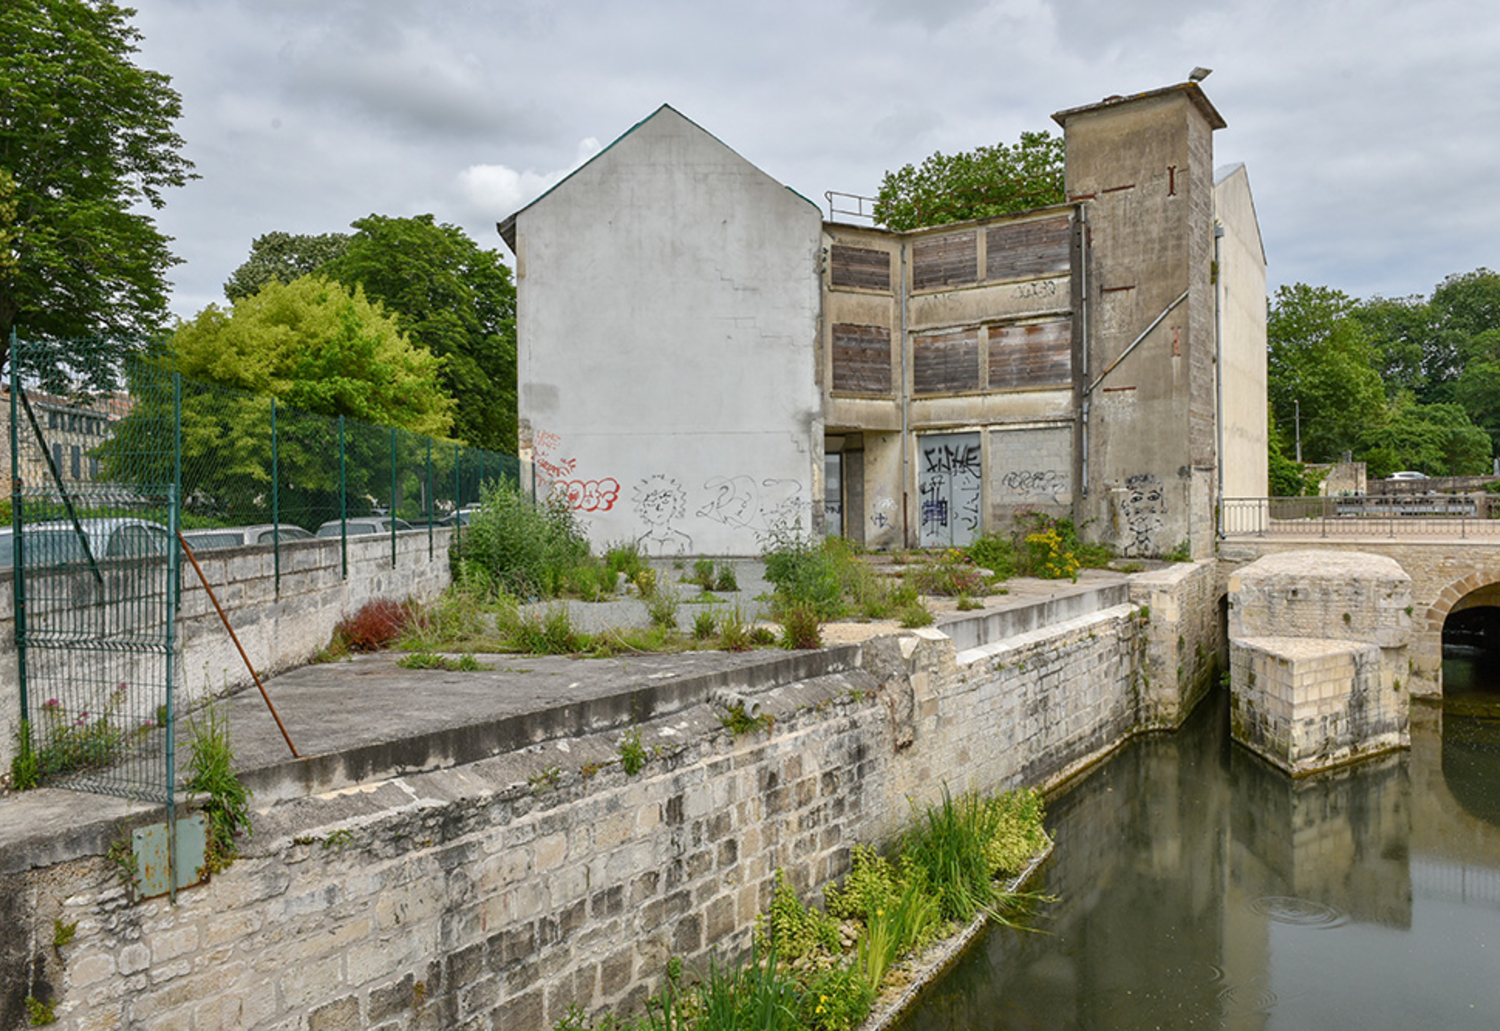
[703,356]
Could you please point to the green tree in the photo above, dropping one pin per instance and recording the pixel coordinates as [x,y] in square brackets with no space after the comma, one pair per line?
[453,298]
[979,183]
[317,345]
[1437,439]
[322,350]
[86,138]
[1320,361]
[283,257]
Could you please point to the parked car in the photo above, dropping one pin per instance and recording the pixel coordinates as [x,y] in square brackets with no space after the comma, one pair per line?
[463,517]
[242,536]
[362,525]
[1408,474]
[57,542]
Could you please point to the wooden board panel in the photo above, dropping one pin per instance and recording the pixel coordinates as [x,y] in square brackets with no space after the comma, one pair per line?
[944,363]
[863,267]
[949,260]
[1030,248]
[861,358]
[1039,354]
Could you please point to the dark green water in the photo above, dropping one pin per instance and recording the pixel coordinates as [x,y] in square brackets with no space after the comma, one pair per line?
[1201,888]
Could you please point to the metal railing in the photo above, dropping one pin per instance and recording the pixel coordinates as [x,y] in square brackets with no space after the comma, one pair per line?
[1363,515]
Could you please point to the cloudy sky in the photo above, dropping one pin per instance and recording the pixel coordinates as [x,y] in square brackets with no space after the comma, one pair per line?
[1371,129]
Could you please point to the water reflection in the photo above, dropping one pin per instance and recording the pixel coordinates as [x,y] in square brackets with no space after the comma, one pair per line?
[1199,887]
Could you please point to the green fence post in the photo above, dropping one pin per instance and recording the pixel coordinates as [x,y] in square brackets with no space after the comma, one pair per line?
[275,500]
[343,504]
[18,574]
[392,508]
[427,490]
[458,530]
[174,569]
[174,501]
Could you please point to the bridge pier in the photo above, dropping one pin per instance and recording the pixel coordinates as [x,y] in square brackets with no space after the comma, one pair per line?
[1318,652]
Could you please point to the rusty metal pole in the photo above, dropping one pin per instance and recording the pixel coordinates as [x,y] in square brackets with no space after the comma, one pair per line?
[225,620]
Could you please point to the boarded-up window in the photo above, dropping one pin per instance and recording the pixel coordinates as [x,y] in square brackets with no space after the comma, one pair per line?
[1021,249]
[1035,355]
[862,267]
[943,363]
[950,260]
[861,358]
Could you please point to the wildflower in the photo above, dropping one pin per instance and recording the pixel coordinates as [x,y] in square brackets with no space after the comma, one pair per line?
[52,705]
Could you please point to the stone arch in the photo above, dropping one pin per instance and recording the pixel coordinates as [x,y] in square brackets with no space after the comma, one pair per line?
[1481,586]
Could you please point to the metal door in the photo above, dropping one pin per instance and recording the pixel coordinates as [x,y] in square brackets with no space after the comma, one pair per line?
[948,489]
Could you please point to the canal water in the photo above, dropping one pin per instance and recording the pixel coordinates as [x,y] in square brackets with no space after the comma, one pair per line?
[1198,887]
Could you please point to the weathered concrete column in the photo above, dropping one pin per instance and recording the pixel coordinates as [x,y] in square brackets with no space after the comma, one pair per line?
[1318,657]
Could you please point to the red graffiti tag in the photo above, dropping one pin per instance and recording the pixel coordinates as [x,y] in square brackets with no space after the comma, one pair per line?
[587,495]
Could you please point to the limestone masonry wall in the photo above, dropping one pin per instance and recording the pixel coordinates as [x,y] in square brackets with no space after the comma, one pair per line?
[503,892]
[278,628]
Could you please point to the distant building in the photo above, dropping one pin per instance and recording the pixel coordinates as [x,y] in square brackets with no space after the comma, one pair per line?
[72,432]
[702,357]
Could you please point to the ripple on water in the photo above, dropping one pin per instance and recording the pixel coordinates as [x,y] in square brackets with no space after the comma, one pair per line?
[1288,909]
[1252,997]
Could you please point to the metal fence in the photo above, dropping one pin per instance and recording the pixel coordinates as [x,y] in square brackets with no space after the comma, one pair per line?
[101,485]
[1363,515]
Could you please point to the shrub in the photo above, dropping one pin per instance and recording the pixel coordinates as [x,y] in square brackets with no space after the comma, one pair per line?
[704,625]
[734,632]
[953,573]
[995,553]
[624,557]
[1049,557]
[662,606]
[725,579]
[210,770]
[762,636]
[377,624]
[804,571]
[454,616]
[551,633]
[800,626]
[793,930]
[528,547]
[632,753]
[703,574]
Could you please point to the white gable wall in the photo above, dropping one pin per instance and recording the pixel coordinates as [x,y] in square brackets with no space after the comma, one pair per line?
[668,314]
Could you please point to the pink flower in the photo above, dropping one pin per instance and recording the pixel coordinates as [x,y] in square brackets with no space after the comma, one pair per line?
[52,705]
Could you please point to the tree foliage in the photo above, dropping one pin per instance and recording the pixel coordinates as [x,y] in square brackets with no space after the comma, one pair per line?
[979,183]
[453,298]
[86,139]
[1321,368]
[283,257]
[317,345]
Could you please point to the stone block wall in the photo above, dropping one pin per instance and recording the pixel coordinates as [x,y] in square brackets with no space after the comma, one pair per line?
[279,627]
[500,893]
[1184,641]
[1318,646]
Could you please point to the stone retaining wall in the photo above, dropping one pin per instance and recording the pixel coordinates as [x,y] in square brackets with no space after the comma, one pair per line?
[279,628]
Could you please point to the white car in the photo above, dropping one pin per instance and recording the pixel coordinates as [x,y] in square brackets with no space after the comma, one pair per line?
[358,526]
[1407,475]
[243,536]
[57,542]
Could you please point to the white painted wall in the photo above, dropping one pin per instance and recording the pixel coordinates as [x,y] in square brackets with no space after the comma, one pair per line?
[668,314]
[1242,294]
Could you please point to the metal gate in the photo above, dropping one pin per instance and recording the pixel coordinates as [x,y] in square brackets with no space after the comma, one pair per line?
[92,543]
[948,486]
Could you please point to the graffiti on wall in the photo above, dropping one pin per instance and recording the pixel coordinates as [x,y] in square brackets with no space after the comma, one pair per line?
[742,503]
[557,477]
[948,489]
[660,501]
[1039,484]
[1143,510]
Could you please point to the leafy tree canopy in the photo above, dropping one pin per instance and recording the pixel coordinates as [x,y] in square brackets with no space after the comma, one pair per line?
[979,183]
[1320,361]
[1437,439]
[317,345]
[283,257]
[453,298]
[86,137]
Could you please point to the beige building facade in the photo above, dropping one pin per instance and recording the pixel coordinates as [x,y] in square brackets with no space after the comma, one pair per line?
[704,348]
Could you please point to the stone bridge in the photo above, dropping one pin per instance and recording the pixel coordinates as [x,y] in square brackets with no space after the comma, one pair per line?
[1450,571]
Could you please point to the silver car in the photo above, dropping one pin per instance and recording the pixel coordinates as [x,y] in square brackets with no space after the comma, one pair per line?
[360,526]
[243,536]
